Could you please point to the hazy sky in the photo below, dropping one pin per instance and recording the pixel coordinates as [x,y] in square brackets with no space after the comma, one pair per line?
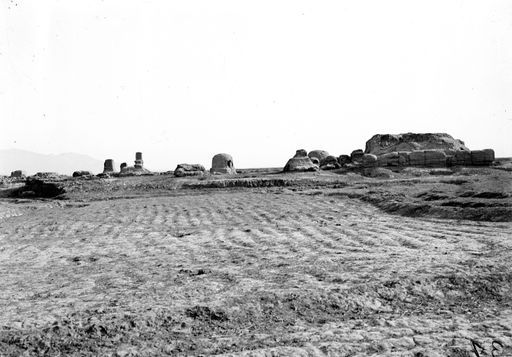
[184,80]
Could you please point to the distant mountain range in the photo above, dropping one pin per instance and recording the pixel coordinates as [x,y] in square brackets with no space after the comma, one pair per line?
[31,162]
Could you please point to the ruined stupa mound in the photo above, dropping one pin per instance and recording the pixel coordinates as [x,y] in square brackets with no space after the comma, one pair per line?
[369,160]
[223,164]
[300,163]
[135,170]
[356,156]
[329,162]
[18,174]
[183,170]
[319,154]
[344,160]
[381,144]
[108,166]
[315,161]
[427,150]
[82,173]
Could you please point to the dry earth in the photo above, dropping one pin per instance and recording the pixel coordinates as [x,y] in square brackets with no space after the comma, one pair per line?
[316,267]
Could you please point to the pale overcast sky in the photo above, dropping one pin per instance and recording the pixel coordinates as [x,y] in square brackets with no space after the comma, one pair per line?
[184,80]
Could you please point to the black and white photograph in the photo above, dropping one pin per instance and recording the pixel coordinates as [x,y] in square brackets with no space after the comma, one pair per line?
[256,178]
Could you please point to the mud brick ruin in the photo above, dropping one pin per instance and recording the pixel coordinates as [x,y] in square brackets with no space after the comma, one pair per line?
[108,166]
[425,150]
[138,160]
[223,164]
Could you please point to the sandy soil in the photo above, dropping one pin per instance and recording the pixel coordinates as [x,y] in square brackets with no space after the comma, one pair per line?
[315,267]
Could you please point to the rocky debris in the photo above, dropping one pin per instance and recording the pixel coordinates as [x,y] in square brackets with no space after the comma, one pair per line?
[329,163]
[319,154]
[300,163]
[344,160]
[35,188]
[18,174]
[108,166]
[382,144]
[104,175]
[369,160]
[189,170]
[222,164]
[82,174]
[356,155]
[123,165]
[482,157]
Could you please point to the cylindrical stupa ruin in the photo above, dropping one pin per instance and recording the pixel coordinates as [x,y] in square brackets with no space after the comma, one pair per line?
[223,164]
[138,160]
[108,166]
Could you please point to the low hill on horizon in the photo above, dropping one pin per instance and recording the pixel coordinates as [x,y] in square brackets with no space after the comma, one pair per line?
[32,162]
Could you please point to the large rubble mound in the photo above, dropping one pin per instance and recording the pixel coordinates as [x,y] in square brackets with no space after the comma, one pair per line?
[427,150]
[381,144]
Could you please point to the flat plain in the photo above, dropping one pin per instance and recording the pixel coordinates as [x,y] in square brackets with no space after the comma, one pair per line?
[415,263]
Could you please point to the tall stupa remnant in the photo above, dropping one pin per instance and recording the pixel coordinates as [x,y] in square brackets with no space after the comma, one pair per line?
[138,160]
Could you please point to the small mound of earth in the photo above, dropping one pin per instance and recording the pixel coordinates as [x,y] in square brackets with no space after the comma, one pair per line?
[134,171]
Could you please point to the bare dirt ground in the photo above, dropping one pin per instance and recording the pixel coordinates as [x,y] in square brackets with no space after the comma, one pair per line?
[416,264]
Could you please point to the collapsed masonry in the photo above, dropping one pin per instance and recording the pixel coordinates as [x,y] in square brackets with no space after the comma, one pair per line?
[425,150]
